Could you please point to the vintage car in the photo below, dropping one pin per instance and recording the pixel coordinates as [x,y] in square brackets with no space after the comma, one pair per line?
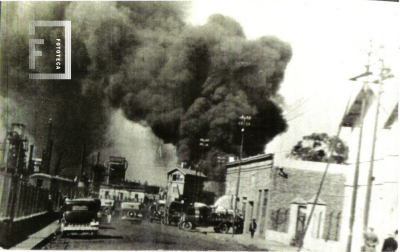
[80,215]
[174,212]
[157,211]
[131,211]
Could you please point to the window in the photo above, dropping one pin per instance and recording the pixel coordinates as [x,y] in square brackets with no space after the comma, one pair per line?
[177,177]
[107,194]
[39,183]
[244,204]
[79,208]
[265,198]
[259,202]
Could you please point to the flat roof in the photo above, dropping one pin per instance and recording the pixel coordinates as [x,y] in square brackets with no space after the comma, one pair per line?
[253,159]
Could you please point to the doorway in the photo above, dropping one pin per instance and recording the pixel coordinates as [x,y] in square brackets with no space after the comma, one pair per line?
[300,224]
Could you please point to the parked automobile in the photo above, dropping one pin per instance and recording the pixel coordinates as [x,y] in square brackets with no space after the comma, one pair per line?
[131,211]
[157,211]
[79,216]
[174,213]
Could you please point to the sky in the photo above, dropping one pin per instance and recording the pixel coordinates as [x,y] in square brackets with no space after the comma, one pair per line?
[330,41]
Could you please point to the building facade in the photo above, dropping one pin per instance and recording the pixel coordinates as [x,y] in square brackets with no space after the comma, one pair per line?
[184,184]
[383,212]
[280,198]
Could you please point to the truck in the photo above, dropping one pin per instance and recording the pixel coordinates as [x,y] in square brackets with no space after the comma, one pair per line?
[201,215]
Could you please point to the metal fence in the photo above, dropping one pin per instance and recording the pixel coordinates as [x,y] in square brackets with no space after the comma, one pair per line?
[5,187]
[19,200]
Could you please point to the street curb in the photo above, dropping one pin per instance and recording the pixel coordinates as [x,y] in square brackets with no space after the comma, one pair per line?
[34,243]
[45,240]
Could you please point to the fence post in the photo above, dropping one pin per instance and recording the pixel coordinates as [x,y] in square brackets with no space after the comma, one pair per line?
[13,195]
[30,199]
[338,217]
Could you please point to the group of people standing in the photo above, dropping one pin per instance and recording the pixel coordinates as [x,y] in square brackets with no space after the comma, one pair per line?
[372,241]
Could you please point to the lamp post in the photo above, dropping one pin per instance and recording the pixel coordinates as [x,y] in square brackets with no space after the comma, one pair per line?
[244,121]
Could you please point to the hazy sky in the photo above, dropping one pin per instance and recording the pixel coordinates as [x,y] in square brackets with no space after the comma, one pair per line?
[329,40]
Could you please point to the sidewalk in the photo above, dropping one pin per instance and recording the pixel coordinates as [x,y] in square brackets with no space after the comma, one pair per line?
[37,237]
[262,244]
[255,243]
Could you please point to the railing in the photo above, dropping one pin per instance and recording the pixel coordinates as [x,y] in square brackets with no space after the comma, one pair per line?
[19,200]
[5,187]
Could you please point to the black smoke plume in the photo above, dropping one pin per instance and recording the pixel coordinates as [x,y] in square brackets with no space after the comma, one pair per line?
[185,82]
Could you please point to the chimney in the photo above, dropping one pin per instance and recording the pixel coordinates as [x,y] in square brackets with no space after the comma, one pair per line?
[98,158]
[49,157]
[83,161]
[57,167]
[43,164]
[30,162]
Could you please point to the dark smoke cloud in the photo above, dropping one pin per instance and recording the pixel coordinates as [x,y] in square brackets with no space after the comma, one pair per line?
[185,82]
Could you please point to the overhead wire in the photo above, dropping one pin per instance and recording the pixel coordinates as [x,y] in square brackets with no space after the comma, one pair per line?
[298,106]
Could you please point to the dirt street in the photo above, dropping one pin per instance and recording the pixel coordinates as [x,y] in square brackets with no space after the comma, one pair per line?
[122,235]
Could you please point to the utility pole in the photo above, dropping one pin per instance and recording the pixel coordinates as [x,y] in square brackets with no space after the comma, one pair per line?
[357,169]
[221,161]
[244,121]
[371,167]
[204,144]
[322,182]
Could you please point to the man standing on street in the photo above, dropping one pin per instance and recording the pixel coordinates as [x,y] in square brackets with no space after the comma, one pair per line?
[253,227]
[371,240]
[390,244]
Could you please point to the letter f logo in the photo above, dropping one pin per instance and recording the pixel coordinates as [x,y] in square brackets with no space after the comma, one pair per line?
[32,52]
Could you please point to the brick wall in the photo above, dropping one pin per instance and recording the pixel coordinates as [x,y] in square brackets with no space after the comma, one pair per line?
[305,183]
[258,179]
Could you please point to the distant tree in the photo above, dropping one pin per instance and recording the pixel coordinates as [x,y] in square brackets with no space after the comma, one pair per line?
[318,146]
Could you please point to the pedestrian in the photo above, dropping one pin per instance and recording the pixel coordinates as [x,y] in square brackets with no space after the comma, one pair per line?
[371,240]
[390,243]
[109,213]
[252,228]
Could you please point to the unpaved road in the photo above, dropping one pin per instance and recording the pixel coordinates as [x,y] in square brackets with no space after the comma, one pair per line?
[121,235]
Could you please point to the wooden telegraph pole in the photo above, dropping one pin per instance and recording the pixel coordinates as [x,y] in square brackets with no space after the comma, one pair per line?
[357,169]
[371,167]
[244,121]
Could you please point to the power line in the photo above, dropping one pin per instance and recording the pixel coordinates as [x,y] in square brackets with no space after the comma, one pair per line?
[298,106]
[296,103]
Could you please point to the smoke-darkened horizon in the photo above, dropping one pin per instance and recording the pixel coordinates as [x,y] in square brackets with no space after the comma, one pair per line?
[184,82]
